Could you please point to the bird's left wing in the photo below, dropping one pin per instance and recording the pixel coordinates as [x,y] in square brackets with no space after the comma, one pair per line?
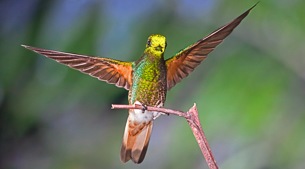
[184,62]
[105,69]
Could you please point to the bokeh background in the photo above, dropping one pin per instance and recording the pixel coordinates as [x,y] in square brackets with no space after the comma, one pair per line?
[250,92]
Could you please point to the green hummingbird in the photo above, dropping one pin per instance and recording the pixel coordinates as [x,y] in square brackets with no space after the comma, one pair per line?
[148,79]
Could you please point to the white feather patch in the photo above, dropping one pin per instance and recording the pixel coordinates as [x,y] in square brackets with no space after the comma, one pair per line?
[140,116]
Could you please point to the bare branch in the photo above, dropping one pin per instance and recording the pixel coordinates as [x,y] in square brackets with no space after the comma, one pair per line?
[150,108]
[192,118]
[195,125]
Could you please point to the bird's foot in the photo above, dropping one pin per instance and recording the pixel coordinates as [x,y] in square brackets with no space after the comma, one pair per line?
[144,108]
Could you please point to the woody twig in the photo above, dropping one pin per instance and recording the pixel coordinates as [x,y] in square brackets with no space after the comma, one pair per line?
[192,118]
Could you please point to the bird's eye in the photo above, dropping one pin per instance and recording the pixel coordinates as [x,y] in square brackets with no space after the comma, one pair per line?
[149,42]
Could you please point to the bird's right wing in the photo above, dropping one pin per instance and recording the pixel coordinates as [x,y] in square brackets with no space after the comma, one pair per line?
[105,69]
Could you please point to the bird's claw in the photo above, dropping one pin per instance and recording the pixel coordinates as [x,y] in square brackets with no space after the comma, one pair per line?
[144,107]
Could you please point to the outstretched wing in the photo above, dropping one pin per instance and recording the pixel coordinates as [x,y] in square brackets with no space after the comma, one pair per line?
[109,70]
[184,62]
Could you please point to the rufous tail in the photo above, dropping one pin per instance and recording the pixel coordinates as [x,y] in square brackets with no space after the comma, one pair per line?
[135,141]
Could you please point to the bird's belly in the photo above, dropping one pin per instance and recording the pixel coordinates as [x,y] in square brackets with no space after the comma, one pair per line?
[143,116]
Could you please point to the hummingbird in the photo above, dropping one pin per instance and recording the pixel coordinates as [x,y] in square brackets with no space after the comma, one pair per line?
[147,80]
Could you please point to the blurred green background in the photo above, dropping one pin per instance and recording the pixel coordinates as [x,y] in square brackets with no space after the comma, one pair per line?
[250,92]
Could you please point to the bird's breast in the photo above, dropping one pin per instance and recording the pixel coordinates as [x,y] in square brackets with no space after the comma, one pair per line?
[148,84]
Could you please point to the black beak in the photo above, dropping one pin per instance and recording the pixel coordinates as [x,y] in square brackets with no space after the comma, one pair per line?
[159,48]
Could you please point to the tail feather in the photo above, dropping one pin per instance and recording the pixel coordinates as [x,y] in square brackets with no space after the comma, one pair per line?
[135,141]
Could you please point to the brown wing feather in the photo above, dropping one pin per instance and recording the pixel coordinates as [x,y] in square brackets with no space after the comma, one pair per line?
[184,62]
[109,70]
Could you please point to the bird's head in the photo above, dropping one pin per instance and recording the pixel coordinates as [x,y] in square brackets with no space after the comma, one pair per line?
[156,44]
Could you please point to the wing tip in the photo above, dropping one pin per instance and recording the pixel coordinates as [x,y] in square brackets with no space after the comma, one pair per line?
[254,5]
[26,46]
[248,11]
[31,48]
